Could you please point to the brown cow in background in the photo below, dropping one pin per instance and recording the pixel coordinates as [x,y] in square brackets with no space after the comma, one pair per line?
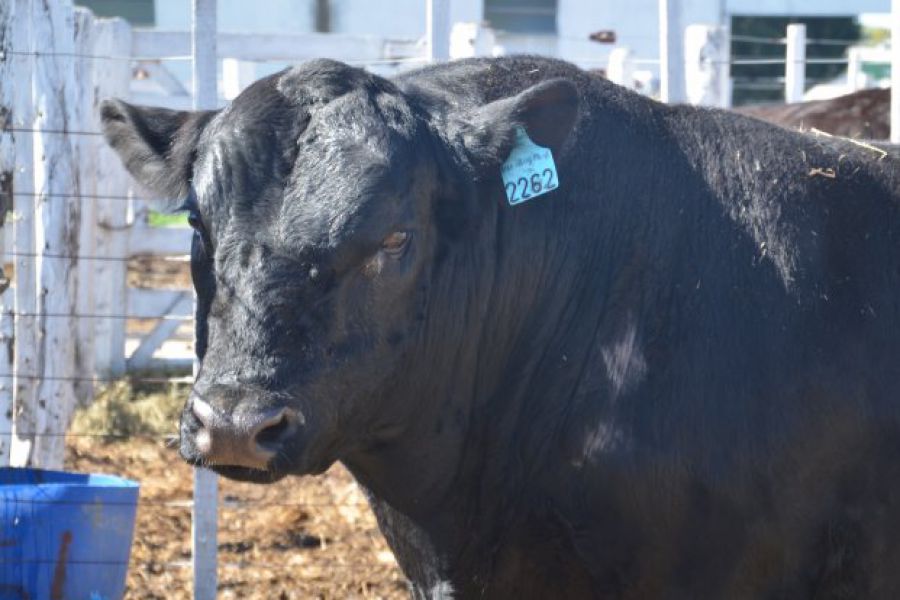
[863,115]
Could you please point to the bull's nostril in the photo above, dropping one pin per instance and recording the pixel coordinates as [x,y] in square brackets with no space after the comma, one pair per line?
[273,433]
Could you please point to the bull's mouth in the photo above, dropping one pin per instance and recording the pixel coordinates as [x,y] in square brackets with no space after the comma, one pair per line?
[275,471]
[270,474]
[248,474]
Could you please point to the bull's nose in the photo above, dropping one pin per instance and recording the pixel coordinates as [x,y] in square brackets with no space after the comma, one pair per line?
[244,438]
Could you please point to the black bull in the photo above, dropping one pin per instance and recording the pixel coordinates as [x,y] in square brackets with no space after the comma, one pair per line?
[674,376]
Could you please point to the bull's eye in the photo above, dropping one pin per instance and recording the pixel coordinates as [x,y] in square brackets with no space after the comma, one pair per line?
[395,243]
[195,221]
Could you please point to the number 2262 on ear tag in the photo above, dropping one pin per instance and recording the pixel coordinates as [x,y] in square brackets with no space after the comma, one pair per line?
[529,171]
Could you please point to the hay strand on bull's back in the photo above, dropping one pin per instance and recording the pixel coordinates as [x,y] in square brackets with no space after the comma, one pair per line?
[881,153]
[823,172]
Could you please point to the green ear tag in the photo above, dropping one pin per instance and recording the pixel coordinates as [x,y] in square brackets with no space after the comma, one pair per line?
[529,171]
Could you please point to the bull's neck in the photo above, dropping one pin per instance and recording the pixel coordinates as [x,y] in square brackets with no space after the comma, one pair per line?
[517,317]
[508,317]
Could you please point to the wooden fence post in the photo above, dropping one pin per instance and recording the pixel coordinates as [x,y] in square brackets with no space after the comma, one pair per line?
[111,78]
[795,63]
[85,148]
[7,171]
[204,515]
[706,55]
[27,352]
[57,215]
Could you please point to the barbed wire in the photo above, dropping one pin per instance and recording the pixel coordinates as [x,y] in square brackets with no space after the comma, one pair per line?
[150,565]
[87,434]
[126,379]
[89,196]
[738,61]
[225,503]
[605,59]
[366,62]
[77,257]
[187,57]
[51,131]
[55,315]
[37,53]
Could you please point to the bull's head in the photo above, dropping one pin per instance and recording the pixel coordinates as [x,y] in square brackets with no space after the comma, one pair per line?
[335,255]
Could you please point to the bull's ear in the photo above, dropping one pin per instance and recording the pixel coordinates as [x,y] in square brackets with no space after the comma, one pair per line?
[547,111]
[156,145]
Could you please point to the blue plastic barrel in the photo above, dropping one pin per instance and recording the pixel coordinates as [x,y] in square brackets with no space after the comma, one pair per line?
[65,536]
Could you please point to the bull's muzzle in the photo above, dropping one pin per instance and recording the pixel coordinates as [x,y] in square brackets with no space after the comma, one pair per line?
[243,438]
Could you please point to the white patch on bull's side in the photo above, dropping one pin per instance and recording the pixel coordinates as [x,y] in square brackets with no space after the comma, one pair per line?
[603,437]
[441,591]
[625,364]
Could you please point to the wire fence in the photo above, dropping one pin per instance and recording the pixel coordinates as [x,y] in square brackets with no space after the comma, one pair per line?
[361,62]
[756,67]
[39,54]
[154,509]
[761,72]
[741,81]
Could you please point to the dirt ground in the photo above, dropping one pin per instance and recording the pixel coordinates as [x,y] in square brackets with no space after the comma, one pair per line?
[311,537]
